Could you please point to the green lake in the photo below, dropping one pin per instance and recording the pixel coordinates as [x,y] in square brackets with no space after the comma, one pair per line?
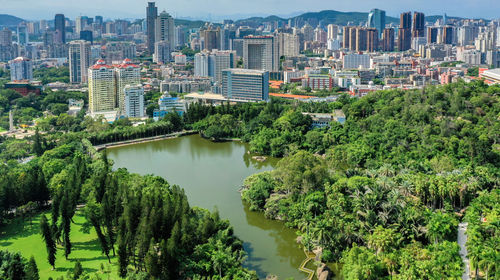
[211,174]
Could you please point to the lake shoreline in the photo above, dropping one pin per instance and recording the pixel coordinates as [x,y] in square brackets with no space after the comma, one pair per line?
[144,140]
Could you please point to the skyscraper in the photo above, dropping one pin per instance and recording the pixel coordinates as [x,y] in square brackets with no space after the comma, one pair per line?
[165,29]
[261,53]
[289,44]
[346,31]
[22,35]
[447,35]
[332,31]
[60,28]
[361,42]
[404,32]
[211,38]
[376,19]
[21,68]
[79,61]
[102,87]
[418,26]
[388,40]
[151,14]
[371,39]
[5,37]
[127,73]
[432,35]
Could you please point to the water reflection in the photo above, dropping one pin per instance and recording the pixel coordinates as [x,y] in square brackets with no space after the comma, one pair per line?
[211,174]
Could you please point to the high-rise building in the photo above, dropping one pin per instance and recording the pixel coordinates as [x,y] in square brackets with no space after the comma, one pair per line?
[21,68]
[245,84]
[60,28]
[162,52]
[22,35]
[332,31]
[352,37]
[320,35]
[116,52]
[418,27]
[388,40]
[376,19]
[127,73]
[80,24]
[87,35]
[447,35]
[165,29]
[346,31]
[98,20]
[5,37]
[210,38]
[432,35]
[361,39]
[180,35]
[102,88]
[467,34]
[134,101]
[261,53]
[371,39]
[151,15]
[404,32]
[211,64]
[289,44]
[79,61]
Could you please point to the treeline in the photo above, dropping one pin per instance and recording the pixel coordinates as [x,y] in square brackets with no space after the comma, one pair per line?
[384,192]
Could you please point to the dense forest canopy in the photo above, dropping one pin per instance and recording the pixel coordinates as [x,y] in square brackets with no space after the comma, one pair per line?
[381,194]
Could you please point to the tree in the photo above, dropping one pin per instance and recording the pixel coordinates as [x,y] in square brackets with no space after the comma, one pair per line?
[37,143]
[360,263]
[48,237]
[77,270]
[32,270]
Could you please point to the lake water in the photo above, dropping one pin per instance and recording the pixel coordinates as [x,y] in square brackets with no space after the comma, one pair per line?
[211,174]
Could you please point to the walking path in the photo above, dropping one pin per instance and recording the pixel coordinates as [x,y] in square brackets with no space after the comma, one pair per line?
[303,268]
[461,240]
[143,140]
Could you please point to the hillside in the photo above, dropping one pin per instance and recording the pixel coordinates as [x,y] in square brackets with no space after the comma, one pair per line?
[8,20]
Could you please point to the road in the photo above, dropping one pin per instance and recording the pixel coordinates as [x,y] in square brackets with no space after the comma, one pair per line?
[462,239]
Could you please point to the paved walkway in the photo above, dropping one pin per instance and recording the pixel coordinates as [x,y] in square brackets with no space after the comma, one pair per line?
[462,239]
[303,268]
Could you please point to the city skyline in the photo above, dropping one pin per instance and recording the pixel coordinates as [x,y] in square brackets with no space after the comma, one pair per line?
[219,9]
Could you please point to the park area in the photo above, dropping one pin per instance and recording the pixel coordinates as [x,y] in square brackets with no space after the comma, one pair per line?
[24,237]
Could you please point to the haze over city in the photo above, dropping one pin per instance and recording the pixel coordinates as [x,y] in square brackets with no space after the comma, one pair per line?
[219,9]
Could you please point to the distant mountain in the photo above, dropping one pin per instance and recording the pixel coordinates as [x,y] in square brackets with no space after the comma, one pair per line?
[8,20]
[313,18]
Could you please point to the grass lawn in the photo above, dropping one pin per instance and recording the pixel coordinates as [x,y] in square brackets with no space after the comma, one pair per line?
[27,240]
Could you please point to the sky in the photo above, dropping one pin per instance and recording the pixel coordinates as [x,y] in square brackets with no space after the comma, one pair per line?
[217,9]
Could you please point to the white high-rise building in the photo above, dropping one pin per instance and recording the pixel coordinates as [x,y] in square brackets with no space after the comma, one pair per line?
[332,31]
[165,29]
[162,54]
[79,61]
[127,73]
[261,53]
[102,88]
[211,64]
[21,68]
[134,101]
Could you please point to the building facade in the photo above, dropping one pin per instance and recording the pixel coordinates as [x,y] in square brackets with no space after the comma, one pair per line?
[245,84]
[79,61]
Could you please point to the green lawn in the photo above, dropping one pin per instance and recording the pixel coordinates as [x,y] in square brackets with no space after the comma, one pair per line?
[28,241]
